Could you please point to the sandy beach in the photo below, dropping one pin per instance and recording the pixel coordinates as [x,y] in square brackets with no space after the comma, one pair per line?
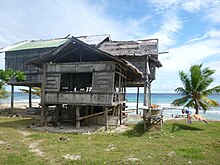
[18,105]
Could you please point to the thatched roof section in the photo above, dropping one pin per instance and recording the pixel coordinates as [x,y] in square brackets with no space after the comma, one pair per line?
[133,48]
[130,48]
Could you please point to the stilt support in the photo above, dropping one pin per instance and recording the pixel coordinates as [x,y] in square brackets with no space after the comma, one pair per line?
[30,98]
[137,101]
[12,98]
[106,118]
[77,118]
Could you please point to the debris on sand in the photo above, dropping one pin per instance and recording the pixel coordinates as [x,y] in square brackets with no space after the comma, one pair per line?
[64,138]
[35,148]
[172,153]
[2,142]
[131,159]
[72,157]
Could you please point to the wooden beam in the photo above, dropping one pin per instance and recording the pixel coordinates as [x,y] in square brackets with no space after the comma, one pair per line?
[30,97]
[63,55]
[106,118]
[146,112]
[12,98]
[137,100]
[43,95]
[120,113]
[77,118]
[42,116]
[86,114]
[45,115]
[57,113]
[92,115]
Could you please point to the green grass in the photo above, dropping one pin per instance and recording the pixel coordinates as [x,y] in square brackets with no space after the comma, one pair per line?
[178,143]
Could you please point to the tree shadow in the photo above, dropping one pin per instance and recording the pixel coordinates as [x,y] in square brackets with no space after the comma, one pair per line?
[177,127]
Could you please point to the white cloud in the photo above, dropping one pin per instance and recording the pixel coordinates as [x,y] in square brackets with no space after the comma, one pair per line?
[191,53]
[168,30]
[162,5]
[196,5]
[204,49]
[209,8]
[213,14]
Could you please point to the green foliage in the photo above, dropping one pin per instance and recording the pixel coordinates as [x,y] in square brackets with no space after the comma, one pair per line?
[195,88]
[6,75]
[3,93]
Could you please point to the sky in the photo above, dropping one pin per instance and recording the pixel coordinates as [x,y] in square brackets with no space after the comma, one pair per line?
[188,29]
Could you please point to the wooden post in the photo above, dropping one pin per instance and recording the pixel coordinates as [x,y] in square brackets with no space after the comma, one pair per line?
[43,95]
[57,113]
[77,118]
[12,98]
[86,114]
[146,112]
[42,115]
[115,110]
[29,92]
[149,101]
[45,115]
[120,113]
[106,118]
[137,100]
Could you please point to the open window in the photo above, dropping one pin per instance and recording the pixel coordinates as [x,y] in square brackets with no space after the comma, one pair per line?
[76,82]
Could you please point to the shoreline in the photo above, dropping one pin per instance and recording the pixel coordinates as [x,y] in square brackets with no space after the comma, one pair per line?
[211,115]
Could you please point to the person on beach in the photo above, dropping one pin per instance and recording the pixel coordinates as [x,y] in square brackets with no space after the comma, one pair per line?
[190,115]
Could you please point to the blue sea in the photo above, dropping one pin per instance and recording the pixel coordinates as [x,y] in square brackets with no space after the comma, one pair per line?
[162,99]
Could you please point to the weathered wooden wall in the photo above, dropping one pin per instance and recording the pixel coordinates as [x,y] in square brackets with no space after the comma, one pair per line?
[17,60]
[102,92]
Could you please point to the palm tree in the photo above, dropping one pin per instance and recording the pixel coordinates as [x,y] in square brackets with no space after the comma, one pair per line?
[195,89]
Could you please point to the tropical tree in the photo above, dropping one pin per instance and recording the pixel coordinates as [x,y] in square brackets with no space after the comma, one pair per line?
[195,89]
[6,75]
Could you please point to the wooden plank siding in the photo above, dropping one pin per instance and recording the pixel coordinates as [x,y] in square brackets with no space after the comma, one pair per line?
[17,60]
[103,89]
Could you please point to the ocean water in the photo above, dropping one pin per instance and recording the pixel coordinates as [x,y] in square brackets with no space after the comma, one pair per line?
[20,97]
[162,99]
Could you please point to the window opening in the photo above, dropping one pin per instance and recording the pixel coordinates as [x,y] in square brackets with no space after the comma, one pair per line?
[76,82]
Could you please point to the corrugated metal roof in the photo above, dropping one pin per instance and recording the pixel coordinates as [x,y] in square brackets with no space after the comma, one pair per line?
[35,44]
[40,44]
[94,40]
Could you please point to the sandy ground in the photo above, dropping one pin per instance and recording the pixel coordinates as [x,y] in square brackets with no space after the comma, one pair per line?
[20,111]
[18,105]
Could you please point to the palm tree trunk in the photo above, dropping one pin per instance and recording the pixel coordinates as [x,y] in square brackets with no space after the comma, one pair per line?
[196,106]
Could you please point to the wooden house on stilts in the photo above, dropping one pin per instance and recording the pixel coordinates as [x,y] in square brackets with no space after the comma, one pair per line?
[84,79]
